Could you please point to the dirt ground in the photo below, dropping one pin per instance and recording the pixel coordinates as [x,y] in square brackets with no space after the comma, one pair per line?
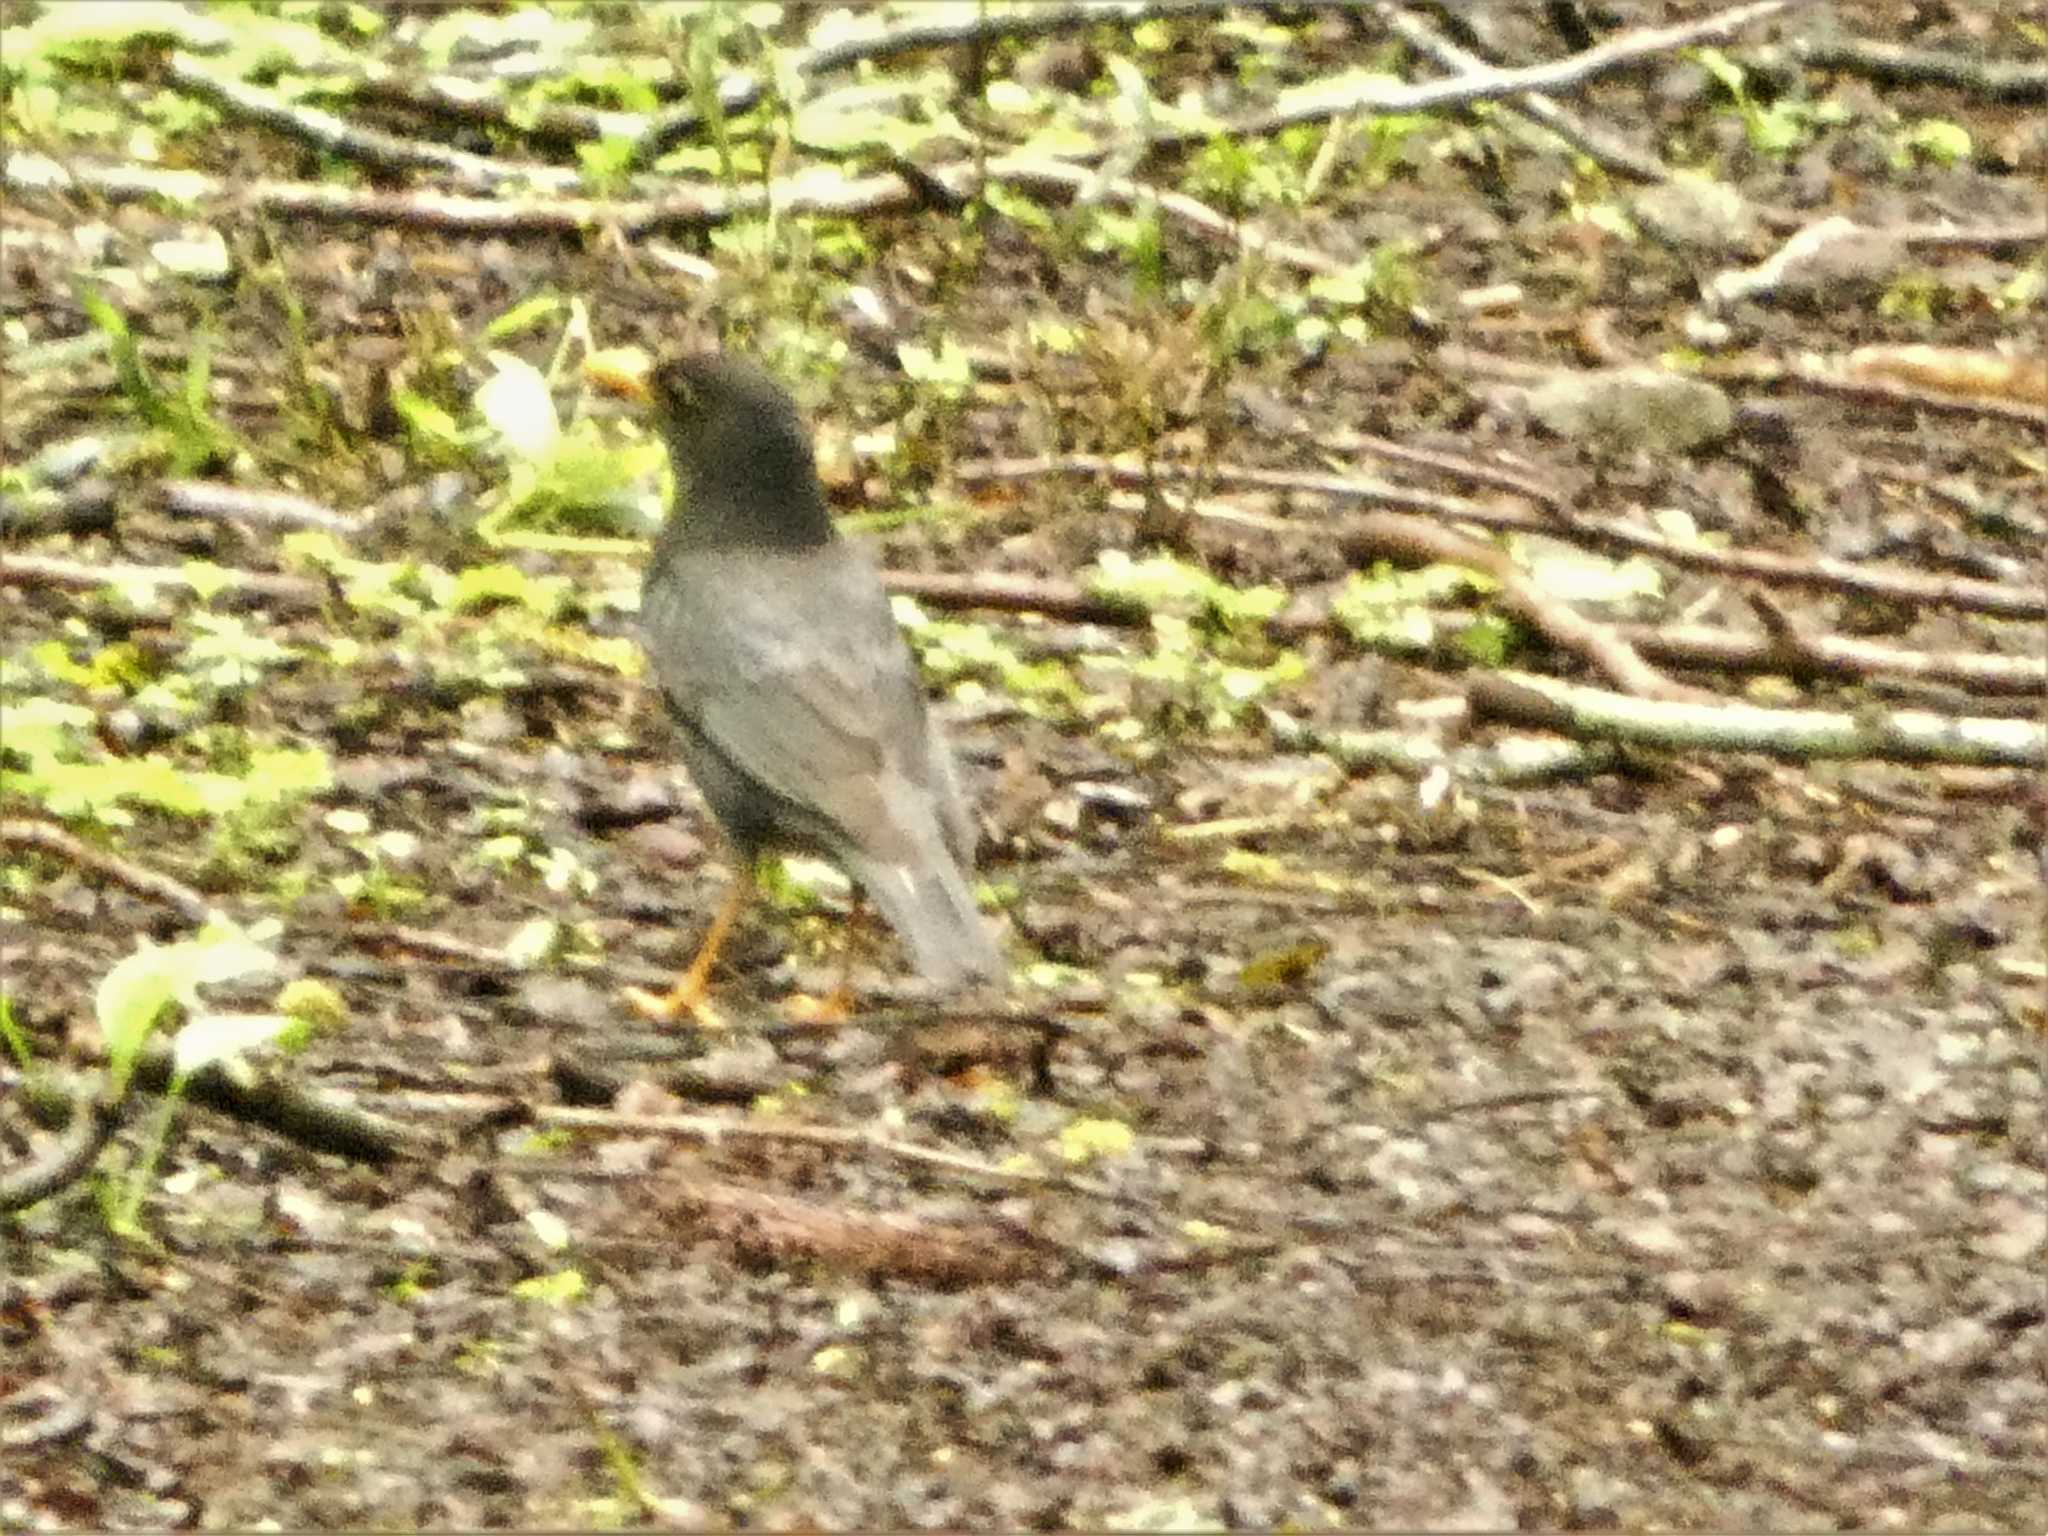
[1662,1147]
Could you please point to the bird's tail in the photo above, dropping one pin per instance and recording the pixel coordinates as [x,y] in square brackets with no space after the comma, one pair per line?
[932,910]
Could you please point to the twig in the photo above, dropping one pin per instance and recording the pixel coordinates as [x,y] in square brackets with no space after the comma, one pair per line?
[1798,735]
[1512,762]
[273,509]
[1894,585]
[293,594]
[1609,152]
[94,1117]
[87,507]
[1696,646]
[1487,84]
[1134,475]
[1894,64]
[1069,179]
[1383,533]
[473,104]
[1456,465]
[1835,656]
[429,944]
[325,131]
[1818,379]
[821,191]
[18,832]
[1992,239]
[27,172]
[714,1129]
[999,593]
[258,1095]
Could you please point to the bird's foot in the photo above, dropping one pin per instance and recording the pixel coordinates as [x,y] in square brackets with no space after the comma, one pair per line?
[667,1007]
[834,1008]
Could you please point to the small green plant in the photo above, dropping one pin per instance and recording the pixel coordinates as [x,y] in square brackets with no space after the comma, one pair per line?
[181,418]
[379,888]
[1192,687]
[1934,140]
[562,479]
[1391,610]
[145,993]
[965,654]
[1779,128]
[13,1036]
[51,755]
[1919,297]
[607,164]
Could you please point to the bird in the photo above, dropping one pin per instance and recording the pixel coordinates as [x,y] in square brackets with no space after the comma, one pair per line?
[798,706]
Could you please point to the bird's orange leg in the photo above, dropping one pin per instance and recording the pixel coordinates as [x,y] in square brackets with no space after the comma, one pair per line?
[836,1006]
[692,990]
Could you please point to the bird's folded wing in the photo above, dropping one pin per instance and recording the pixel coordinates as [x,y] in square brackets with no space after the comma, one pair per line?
[795,670]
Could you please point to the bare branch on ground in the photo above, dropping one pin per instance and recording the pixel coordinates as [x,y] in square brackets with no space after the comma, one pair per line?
[1798,735]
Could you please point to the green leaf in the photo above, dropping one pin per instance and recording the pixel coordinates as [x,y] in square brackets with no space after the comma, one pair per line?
[13,1036]
[486,586]
[1161,584]
[1943,142]
[947,369]
[434,435]
[130,999]
[527,315]
[559,1289]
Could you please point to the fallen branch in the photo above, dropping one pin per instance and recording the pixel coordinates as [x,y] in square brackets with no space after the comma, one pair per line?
[1599,147]
[1991,239]
[823,191]
[94,1117]
[1131,474]
[324,131]
[1000,593]
[1343,97]
[289,594]
[1690,646]
[1966,593]
[1456,465]
[270,509]
[1835,656]
[1819,379]
[2009,80]
[1381,533]
[1073,180]
[43,837]
[713,1129]
[1798,735]
[1512,762]
[265,1097]
[87,507]
[469,103]
[820,191]
[1814,656]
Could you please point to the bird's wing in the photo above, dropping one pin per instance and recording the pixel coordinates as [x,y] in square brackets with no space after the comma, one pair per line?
[792,666]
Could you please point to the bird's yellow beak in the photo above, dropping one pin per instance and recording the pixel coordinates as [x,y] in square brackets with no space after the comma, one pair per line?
[622,372]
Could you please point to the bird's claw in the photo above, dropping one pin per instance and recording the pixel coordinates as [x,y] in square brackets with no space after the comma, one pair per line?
[667,1007]
[835,1007]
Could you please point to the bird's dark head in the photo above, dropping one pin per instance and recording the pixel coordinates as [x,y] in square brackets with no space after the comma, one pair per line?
[742,461]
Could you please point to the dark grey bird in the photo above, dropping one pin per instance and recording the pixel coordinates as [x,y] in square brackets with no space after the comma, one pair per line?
[801,714]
